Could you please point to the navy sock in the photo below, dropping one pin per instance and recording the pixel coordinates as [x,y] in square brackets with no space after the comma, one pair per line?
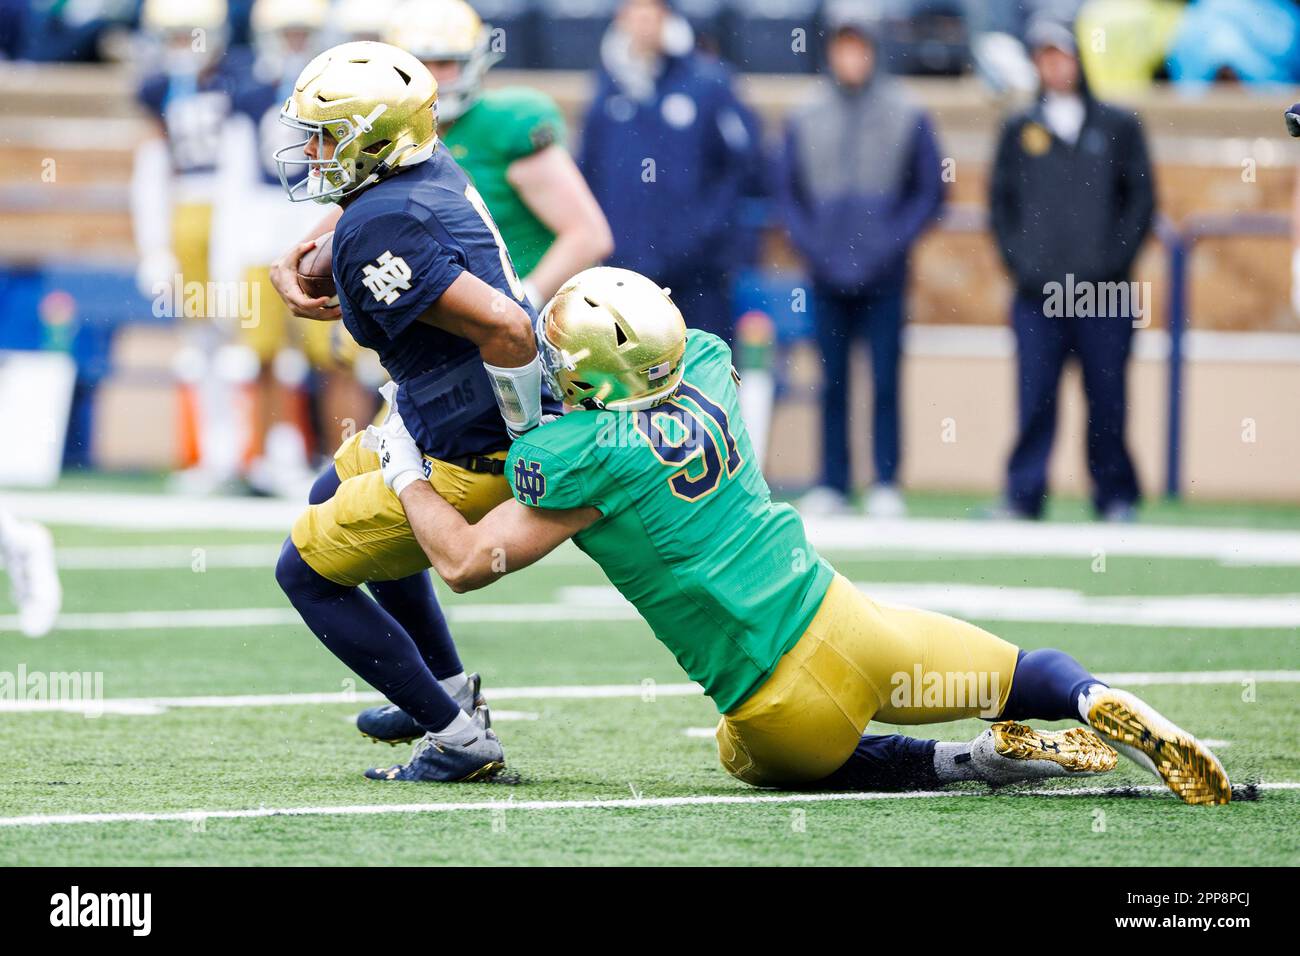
[366,638]
[413,604]
[885,762]
[411,601]
[1046,685]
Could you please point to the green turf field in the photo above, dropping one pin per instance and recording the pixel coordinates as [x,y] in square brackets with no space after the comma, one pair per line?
[630,778]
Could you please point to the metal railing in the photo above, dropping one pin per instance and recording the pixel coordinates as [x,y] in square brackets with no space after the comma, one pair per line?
[1180,241]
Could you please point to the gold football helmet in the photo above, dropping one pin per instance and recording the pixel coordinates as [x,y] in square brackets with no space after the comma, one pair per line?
[361,19]
[276,16]
[446,30]
[285,35]
[377,104]
[168,16]
[611,338]
[187,36]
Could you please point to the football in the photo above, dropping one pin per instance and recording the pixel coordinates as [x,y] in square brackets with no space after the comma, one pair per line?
[316,269]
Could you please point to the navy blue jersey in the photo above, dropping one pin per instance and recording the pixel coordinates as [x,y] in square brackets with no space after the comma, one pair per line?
[192,111]
[397,248]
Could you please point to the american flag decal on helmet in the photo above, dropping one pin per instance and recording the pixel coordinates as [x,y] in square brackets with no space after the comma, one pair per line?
[659,371]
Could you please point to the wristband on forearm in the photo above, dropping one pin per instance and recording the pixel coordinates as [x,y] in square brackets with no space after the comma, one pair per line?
[519,394]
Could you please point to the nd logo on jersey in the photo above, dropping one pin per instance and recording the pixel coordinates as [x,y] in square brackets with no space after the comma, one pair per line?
[530,483]
[388,278]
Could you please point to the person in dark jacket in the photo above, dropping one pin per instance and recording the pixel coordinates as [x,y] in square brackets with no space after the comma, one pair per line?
[1071,202]
[860,182]
[668,150]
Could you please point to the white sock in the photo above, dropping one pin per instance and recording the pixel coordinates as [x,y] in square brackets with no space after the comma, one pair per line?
[952,763]
[453,684]
[460,731]
[1085,700]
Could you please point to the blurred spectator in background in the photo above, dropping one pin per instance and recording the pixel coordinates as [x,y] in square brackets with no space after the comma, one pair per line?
[285,348]
[860,182]
[187,98]
[81,31]
[1071,202]
[1124,43]
[667,149]
[511,142]
[1250,41]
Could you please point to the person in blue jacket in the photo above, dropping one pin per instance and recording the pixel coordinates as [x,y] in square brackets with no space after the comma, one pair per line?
[669,151]
[860,181]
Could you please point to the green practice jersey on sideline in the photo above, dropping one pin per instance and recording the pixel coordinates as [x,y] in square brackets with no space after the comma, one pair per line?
[689,533]
[500,127]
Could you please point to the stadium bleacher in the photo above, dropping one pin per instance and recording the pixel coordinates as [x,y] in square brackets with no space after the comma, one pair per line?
[65,224]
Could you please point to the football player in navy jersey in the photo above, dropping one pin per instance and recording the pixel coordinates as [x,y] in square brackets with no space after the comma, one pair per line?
[292,354]
[424,279]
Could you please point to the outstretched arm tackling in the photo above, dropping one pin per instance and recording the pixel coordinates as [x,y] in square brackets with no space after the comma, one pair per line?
[471,556]
[467,556]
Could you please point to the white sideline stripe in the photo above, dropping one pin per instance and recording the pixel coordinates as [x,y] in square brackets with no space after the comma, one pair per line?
[1043,605]
[634,803]
[141,557]
[851,533]
[151,706]
[137,557]
[1061,605]
[1036,605]
[1239,546]
[276,616]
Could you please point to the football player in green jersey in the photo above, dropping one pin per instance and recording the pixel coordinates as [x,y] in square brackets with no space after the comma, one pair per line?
[511,143]
[652,474]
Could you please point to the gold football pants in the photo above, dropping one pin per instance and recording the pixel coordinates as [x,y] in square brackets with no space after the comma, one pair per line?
[361,533]
[859,661]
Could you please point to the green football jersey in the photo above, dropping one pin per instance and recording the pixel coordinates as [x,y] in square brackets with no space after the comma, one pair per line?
[688,530]
[500,127]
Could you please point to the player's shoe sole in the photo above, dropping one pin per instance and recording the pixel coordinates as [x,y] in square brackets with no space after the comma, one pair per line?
[1075,750]
[483,773]
[1186,765]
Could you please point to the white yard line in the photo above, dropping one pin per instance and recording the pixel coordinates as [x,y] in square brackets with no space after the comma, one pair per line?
[137,557]
[633,803]
[853,534]
[1064,606]
[165,557]
[1042,605]
[604,603]
[152,706]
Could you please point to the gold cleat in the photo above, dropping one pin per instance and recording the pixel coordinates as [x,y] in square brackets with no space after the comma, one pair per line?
[1074,751]
[1186,765]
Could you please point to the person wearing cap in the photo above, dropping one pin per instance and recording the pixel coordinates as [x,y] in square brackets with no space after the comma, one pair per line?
[859,182]
[669,152]
[1071,201]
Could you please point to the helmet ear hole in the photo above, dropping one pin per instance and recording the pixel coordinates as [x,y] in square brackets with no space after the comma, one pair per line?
[620,337]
